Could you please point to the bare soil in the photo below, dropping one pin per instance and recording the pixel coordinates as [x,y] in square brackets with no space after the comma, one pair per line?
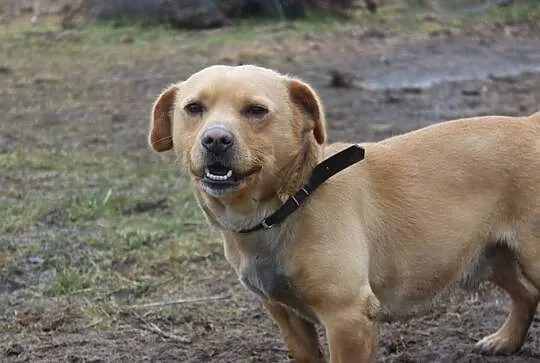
[96,225]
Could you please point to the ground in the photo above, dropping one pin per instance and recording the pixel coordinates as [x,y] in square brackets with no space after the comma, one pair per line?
[104,255]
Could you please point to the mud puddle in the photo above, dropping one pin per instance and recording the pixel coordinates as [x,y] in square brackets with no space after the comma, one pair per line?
[430,63]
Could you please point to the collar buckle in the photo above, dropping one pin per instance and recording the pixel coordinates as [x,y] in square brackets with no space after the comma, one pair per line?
[293,197]
[266,225]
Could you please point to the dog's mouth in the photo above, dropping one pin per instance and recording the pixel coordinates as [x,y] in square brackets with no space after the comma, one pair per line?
[219,174]
[219,179]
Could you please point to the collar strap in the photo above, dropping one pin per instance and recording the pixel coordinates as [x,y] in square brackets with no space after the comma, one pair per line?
[321,173]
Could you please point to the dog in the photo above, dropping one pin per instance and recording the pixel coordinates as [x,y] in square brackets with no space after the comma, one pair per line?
[456,201]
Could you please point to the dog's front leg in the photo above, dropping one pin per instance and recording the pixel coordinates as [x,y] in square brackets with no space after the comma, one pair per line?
[299,334]
[352,330]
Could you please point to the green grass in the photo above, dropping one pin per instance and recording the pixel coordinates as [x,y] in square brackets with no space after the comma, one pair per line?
[112,217]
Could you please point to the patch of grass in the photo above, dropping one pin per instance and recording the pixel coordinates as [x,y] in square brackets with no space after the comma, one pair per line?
[69,280]
[428,16]
[100,222]
[519,11]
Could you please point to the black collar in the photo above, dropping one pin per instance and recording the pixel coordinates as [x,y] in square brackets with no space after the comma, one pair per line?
[322,172]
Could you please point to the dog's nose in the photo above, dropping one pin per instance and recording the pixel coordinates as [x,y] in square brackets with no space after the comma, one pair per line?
[217,140]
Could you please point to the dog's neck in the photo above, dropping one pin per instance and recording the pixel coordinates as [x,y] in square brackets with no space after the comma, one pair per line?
[300,169]
[243,213]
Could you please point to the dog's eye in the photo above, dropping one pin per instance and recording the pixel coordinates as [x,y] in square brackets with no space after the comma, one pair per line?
[255,111]
[194,108]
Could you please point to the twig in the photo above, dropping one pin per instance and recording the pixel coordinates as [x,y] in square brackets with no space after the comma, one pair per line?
[156,329]
[82,291]
[179,301]
[92,324]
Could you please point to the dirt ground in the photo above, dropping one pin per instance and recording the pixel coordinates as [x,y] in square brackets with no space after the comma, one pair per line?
[104,256]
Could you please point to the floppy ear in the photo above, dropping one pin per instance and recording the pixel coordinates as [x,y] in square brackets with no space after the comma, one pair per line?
[308,101]
[160,136]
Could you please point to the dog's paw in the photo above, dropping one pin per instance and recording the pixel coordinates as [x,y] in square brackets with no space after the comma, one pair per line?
[498,343]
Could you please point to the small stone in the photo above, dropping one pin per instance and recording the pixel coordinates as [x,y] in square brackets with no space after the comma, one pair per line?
[47,276]
[123,296]
[341,79]
[7,286]
[36,260]
[14,350]
[127,39]
[471,91]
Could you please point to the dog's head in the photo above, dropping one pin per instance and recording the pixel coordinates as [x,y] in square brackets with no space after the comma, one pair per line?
[238,130]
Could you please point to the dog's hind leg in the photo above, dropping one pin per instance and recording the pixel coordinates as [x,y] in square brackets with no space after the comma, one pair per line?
[508,275]
[299,334]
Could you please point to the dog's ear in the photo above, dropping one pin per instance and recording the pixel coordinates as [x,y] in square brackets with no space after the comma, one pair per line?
[160,135]
[308,101]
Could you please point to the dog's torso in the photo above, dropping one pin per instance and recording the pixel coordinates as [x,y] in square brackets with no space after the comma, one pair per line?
[413,237]
[447,192]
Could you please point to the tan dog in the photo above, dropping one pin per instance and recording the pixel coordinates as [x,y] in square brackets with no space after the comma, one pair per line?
[456,201]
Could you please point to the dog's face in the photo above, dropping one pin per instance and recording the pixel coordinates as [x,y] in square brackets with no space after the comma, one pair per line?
[236,129]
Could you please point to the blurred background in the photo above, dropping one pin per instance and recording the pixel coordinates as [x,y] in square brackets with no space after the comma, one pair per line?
[104,254]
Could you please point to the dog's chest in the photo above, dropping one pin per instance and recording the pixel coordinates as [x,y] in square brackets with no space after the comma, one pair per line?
[266,276]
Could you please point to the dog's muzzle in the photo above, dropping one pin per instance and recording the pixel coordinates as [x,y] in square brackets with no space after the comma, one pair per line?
[218,147]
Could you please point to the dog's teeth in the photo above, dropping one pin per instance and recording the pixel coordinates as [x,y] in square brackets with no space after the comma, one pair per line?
[215,177]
